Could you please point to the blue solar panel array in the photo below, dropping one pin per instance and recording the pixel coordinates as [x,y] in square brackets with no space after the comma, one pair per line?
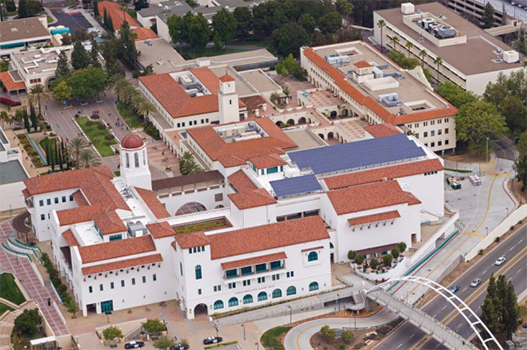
[295,185]
[357,154]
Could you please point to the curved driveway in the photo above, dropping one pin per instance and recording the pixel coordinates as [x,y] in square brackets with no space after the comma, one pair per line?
[298,338]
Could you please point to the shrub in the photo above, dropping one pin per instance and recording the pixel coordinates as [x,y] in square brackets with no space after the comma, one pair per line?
[359,259]
[512,227]
[342,346]
[480,252]
[328,334]
[90,123]
[101,126]
[56,282]
[62,289]
[374,263]
[395,252]
[352,254]
[108,137]
[347,336]
[95,116]
[497,240]
[111,333]
[387,260]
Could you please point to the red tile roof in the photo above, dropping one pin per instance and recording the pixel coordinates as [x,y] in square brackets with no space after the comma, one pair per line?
[191,240]
[313,248]
[70,238]
[113,9]
[253,261]
[367,197]
[412,200]
[265,237]
[238,152]
[117,249]
[362,64]
[367,219]
[153,203]
[251,199]
[123,264]
[371,103]
[391,172]
[267,161]
[177,101]
[26,193]
[381,130]
[79,198]
[144,34]
[109,223]
[226,78]
[161,229]
[10,84]
[241,181]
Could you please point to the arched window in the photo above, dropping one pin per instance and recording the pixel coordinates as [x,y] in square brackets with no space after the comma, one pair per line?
[233,302]
[248,299]
[313,286]
[291,290]
[262,296]
[136,159]
[218,304]
[277,293]
[331,245]
[144,157]
[313,256]
[127,160]
[198,272]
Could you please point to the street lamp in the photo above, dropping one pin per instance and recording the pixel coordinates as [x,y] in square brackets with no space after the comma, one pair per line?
[338,301]
[217,330]
[487,229]
[244,337]
[290,315]
[257,345]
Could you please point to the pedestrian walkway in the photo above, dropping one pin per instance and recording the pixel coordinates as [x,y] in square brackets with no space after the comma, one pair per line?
[7,322]
[43,295]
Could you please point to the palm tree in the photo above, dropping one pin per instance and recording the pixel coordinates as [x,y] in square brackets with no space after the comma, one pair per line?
[409,47]
[146,108]
[119,84]
[381,24]
[42,126]
[88,159]
[18,117]
[37,94]
[76,146]
[124,7]
[128,94]
[439,61]
[423,54]
[395,40]
[5,118]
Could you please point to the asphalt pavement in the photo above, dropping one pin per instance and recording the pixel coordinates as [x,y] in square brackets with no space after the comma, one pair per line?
[514,249]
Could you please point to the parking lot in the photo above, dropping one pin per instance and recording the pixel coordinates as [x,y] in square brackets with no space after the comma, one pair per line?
[72,20]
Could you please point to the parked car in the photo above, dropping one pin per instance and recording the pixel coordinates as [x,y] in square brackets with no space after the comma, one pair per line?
[134,345]
[180,347]
[476,282]
[212,340]
[454,288]
[500,261]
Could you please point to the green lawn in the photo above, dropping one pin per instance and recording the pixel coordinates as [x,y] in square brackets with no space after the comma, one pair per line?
[132,13]
[50,20]
[96,136]
[190,54]
[261,44]
[132,119]
[272,339]
[4,308]
[9,290]
[201,226]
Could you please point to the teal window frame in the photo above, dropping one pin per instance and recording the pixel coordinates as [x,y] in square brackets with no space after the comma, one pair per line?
[248,299]
[116,237]
[232,273]
[277,293]
[273,170]
[313,286]
[233,302]
[261,268]
[199,274]
[291,290]
[275,265]
[246,270]
[218,304]
[313,256]
[262,296]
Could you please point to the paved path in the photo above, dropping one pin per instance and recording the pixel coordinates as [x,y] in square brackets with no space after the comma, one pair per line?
[21,268]
[8,323]
[298,338]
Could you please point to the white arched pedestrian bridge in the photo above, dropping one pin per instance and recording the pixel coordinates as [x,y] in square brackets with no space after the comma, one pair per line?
[427,323]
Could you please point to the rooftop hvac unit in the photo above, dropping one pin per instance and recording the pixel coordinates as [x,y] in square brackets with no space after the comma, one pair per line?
[445,32]
[136,229]
[192,92]
[425,23]
[337,59]
[185,80]
[395,75]
[377,73]
[511,56]
[390,100]
[407,8]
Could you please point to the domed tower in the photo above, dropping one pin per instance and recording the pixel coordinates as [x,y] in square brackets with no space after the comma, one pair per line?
[134,162]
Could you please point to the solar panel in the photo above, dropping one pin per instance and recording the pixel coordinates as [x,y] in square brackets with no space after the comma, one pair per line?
[295,185]
[357,154]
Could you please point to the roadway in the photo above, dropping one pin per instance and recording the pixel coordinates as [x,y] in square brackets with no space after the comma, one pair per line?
[409,337]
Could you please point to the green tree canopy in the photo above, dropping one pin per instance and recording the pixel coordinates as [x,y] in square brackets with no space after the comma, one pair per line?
[289,67]
[347,336]
[243,22]
[268,16]
[515,113]
[330,23]
[126,49]
[163,343]
[153,326]
[308,22]
[488,16]
[79,56]
[63,67]
[111,333]
[387,260]
[26,323]
[199,32]
[454,94]
[87,82]
[224,24]
[288,39]
[176,29]
[329,334]
[62,91]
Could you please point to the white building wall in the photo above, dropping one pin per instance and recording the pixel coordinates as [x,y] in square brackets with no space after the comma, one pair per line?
[162,30]
[211,199]
[477,83]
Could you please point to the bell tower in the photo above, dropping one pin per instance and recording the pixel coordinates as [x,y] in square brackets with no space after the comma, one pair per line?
[134,162]
[228,100]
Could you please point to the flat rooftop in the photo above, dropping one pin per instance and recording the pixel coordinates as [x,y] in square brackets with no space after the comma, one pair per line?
[260,81]
[244,58]
[476,56]
[11,171]
[242,87]
[161,55]
[21,29]
[38,61]
[304,139]
[412,93]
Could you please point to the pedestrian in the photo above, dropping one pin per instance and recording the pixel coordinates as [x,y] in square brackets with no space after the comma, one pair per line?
[49,301]
[46,106]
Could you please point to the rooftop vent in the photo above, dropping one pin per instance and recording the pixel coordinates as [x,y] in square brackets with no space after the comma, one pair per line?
[390,100]
[337,59]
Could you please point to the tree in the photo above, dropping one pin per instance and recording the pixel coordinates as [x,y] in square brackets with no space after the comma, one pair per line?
[387,260]
[522,144]
[455,95]
[33,117]
[330,23]
[79,56]
[199,32]
[96,9]
[76,146]
[423,54]
[308,22]
[176,29]
[359,259]
[510,303]
[163,343]
[347,336]
[71,305]
[374,263]
[111,333]
[4,66]
[145,108]
[352,254]
[22,9]
[289,39]
[515,114]
[409,46]
[224,24]
[188,165]
[344,8]
[94,54]
[395,252]
[140,4]
[521,170]
[88,159]
[63,67]
[218,44]
[401,246]
[4,117]
[475,122]
[328,334]
[267,17]
[27,125]
[62,92]
[88,82]
[126,49]
[381,24]
[289,67]
[154,326]
[26,323]
[243,21]
[488,16]
[37,94]
[489,316]
[438,61]
[395,40]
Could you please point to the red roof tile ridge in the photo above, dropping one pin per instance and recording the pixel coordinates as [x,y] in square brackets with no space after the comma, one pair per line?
[117,249]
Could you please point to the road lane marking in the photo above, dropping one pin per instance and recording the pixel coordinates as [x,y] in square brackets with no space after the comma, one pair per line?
[519,270]
[509,279]
[520,241]
[484,272]
[464,289]
[400,345]
[411,336]
[444,307]
[434,316]
[512,249]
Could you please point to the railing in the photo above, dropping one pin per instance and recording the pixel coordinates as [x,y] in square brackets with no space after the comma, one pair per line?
[14,244]
[12,251]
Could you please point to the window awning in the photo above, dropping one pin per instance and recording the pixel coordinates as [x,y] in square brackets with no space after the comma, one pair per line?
[368,219]
[253,261]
